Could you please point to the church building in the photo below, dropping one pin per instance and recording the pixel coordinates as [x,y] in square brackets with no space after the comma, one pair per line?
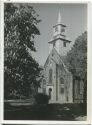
[58,81]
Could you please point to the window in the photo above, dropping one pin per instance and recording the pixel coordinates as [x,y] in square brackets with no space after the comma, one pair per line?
[61,81]
[62,90]
[79,87]
[50,76]
[62,30]
[64,44]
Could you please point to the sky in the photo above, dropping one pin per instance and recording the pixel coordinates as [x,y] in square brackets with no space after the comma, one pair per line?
[74,16]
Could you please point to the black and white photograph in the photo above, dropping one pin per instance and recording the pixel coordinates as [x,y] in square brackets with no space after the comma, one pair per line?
[45,61]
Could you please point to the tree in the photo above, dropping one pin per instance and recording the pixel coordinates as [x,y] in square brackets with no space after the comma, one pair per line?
[21,71]
[77,59]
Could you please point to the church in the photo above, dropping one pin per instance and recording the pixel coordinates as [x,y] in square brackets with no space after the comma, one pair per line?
[58,82]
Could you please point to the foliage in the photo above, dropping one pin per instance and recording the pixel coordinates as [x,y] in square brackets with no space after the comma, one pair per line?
[77,59]
[41,98]
[21,71]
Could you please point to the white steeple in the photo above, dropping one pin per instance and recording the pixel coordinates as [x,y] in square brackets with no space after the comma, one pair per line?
[59,41]
[59,18]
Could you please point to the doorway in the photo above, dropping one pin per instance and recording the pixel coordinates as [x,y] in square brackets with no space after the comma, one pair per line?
[50,92]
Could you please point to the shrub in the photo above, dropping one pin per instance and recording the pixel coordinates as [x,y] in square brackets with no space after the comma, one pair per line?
[41,98]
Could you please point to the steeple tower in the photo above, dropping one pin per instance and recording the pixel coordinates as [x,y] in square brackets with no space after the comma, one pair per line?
[59,28]
[59,41]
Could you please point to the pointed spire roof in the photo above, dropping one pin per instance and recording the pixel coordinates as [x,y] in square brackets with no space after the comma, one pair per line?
[59,18]
[59,21]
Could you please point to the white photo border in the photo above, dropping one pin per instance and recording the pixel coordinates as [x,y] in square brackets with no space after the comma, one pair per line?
[89,66]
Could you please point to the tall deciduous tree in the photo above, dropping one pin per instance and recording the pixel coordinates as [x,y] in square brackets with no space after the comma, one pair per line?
[77,59]
[21,71]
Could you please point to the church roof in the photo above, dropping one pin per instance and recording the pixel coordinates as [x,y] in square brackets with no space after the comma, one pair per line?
[57,59]
[60,39]
[60,24]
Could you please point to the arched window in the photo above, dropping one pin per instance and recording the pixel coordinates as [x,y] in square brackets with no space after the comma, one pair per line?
[61,81]
[61,85]
[50,76]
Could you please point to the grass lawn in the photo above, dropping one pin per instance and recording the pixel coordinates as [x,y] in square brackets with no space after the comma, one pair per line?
[44,112]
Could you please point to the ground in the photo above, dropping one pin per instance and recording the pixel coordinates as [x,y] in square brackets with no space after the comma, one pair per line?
[45,112]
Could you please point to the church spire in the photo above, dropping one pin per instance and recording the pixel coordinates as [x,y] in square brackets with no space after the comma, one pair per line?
[59,18]
[59,41]
[59,28]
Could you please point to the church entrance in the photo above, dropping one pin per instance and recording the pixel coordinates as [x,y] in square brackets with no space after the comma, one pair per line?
[50,92]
